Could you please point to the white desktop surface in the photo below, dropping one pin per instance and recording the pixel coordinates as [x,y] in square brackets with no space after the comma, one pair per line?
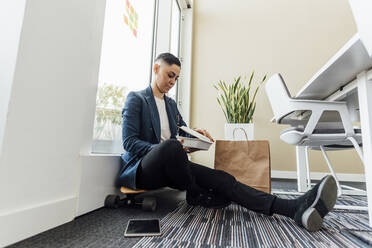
[340,70]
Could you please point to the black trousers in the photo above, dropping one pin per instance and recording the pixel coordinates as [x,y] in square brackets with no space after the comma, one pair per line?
[167,165]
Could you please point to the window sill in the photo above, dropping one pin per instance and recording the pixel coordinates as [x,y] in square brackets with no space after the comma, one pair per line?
[100,155]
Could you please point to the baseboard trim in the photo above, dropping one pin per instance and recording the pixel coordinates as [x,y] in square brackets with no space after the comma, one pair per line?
[23,223]
[344,177]
[97,180]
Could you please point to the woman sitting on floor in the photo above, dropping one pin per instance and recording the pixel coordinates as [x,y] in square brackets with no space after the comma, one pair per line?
[154,158]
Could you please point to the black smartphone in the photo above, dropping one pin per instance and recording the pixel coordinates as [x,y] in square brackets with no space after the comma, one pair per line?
[142,227]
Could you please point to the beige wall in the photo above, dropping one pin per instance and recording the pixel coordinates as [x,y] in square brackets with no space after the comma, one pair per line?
[295,38]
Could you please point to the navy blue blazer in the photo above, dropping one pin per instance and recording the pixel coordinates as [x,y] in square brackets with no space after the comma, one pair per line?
[141,131]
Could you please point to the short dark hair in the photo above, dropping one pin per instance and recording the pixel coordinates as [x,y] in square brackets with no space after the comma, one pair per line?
[168,58]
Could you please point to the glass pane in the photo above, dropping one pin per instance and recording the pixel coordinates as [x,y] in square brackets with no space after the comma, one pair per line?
[175,37]
[175,30]
[124,67]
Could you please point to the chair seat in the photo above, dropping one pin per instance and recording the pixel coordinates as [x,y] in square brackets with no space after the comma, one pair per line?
[330,139]
[327,122]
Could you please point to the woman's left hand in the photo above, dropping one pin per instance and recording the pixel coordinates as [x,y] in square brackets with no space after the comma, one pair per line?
[205,133]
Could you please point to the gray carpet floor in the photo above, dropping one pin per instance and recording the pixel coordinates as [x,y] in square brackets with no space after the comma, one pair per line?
[237,227]
[105,227]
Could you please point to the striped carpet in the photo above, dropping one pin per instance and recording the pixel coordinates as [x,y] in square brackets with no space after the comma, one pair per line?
[235,226]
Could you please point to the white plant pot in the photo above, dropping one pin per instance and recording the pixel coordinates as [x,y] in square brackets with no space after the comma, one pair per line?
[241,130]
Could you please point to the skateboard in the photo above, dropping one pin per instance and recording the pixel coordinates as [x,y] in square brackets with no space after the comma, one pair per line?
[131,200]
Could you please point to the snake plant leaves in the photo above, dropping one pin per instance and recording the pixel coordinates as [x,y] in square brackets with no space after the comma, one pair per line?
[236,101]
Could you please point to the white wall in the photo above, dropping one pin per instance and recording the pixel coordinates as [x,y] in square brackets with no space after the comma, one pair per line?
[295,38]
[11,18]
[50,113]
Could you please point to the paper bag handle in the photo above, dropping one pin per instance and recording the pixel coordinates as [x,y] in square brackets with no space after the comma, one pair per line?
[237,128]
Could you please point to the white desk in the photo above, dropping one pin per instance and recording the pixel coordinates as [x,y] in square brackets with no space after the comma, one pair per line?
[347,76]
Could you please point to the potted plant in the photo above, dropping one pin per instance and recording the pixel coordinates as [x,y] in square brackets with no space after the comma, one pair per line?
[238,105]
[108,119]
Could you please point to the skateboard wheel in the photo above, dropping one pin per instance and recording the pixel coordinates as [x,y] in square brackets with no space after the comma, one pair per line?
[112,201]
[149,204]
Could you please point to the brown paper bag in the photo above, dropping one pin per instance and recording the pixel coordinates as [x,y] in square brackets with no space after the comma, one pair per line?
[247,161]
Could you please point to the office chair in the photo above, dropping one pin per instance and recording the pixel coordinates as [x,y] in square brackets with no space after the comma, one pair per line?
[314,124]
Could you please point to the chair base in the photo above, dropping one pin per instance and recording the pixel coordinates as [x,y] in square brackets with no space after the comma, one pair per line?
[344,207]
[351,190]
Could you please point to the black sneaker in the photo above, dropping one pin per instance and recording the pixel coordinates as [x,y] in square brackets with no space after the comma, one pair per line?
[316,203]
[208,199]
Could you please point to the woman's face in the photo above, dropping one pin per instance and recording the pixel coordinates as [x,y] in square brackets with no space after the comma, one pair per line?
[166,76]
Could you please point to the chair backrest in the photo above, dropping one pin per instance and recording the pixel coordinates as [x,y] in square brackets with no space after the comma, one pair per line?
[278,95]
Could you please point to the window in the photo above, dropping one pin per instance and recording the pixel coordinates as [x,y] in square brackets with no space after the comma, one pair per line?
[175,39]
[126,59]
[135,31]
[175,30]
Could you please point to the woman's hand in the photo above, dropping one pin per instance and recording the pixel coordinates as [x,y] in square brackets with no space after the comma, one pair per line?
[188,149]
[205,133]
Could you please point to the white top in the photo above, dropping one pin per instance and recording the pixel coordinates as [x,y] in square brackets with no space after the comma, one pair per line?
[164,122]
[341,69]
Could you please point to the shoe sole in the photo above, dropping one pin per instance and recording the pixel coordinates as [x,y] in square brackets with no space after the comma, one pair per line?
[327,193]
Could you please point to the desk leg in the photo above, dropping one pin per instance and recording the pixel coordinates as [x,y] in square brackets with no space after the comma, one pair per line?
[365,106]
[301,168]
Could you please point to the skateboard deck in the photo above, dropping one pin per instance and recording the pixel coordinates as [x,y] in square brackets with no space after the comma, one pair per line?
[126,190]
